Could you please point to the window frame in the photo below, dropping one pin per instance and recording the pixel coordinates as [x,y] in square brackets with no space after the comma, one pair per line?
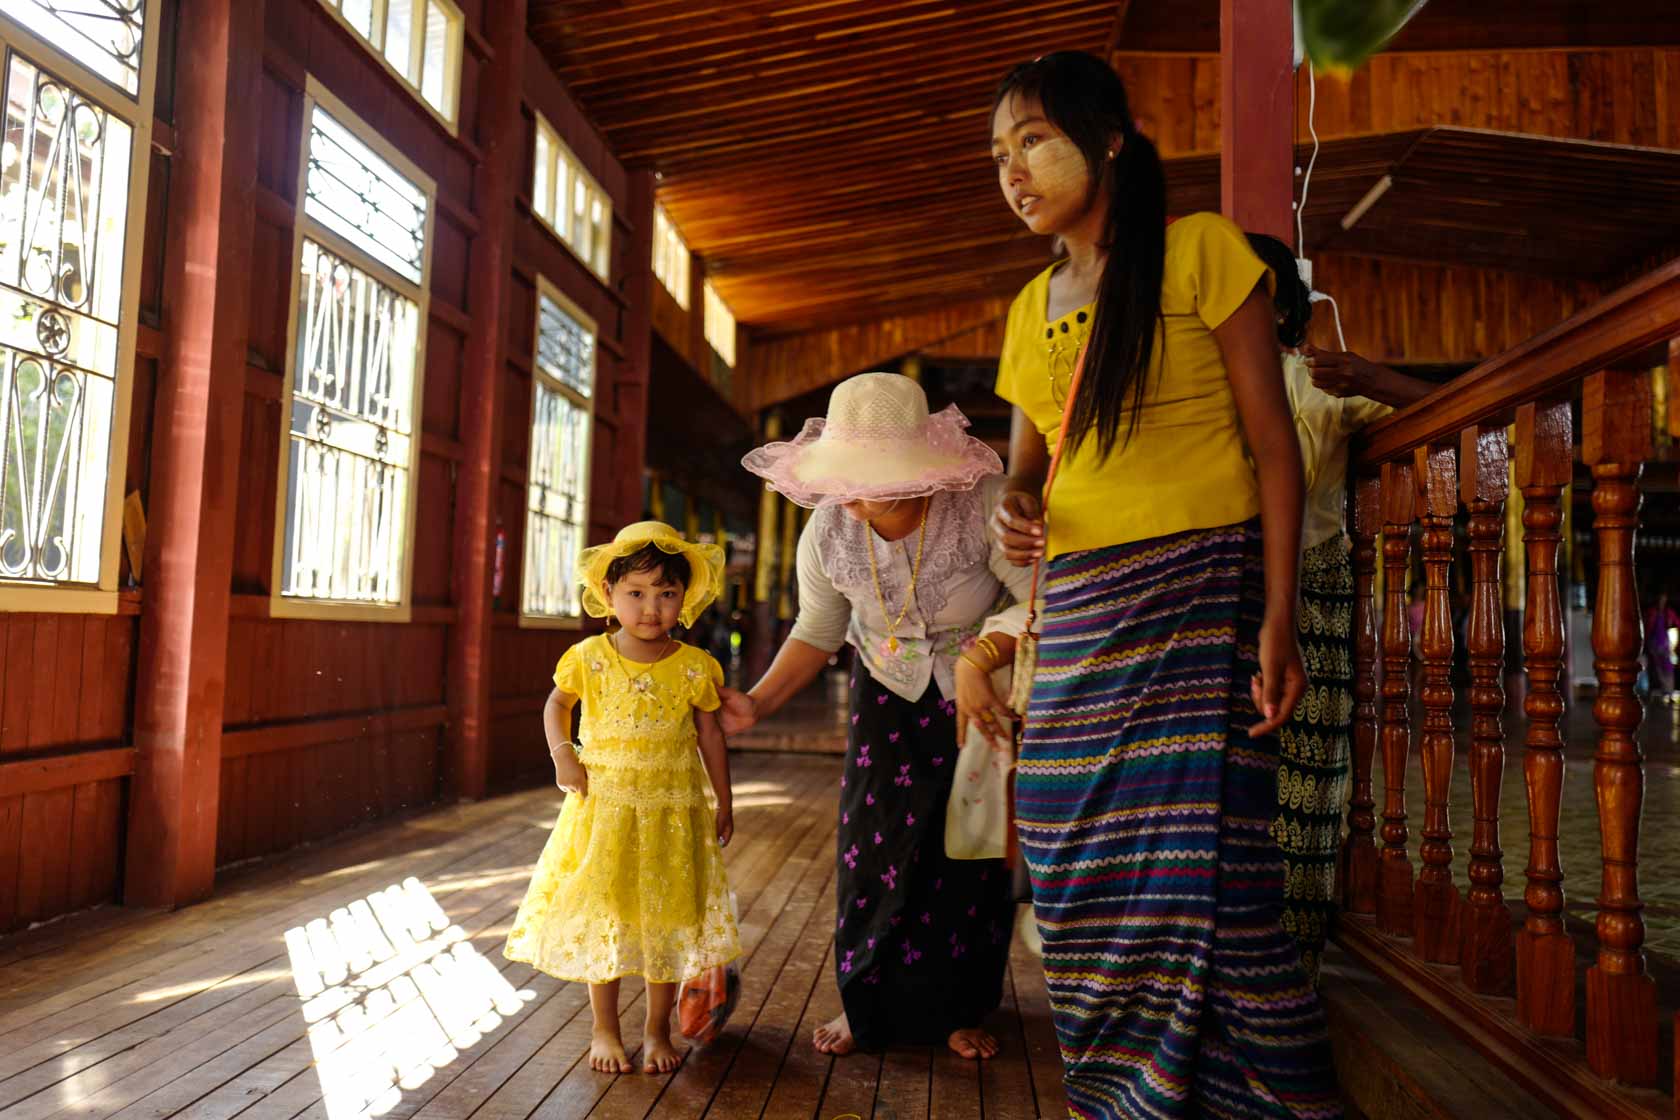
[546,287]
[547,211]
[306,227]
[450,119]
[136,112]
[665,230]
[709,294]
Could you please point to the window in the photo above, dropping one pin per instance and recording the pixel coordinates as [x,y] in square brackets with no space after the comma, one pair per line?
[418,40]
[557,482]
[720,326]
[573,204]
[75,124]
[345,504]
[670,257]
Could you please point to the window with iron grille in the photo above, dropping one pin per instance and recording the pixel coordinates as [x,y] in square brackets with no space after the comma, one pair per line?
[353,380]
[75,123]
[569,201]
[557,481]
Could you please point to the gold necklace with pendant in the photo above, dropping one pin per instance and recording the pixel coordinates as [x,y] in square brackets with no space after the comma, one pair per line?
[892,642]
[618,655]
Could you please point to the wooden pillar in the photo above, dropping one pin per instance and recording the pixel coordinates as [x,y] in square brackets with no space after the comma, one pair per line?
[1545,953]
[501,137]
[1394,880]
[1485,948]
[1257,140]
[784,561]
[196,434]
[630,383]
[761,627]
[1435,901]
[1359,849]
[1621,996]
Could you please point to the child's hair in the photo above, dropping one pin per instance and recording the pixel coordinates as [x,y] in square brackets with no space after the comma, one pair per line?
[1293,300]
[672,567]
[1083,96]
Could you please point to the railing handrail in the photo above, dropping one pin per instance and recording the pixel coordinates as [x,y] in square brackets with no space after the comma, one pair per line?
[1628,320]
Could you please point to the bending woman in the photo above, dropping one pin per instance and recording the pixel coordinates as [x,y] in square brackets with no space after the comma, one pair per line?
[1147,779]
[897,560]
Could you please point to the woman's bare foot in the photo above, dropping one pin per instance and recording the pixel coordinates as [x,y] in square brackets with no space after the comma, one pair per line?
[834,1037]
[972,1043]
[606,1052]
[658,1054]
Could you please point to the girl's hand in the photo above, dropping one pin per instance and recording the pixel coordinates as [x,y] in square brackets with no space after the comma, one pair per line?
[569,773]
[1282,680]
[1018,524]
[978,703]
[725,825]
[739,712]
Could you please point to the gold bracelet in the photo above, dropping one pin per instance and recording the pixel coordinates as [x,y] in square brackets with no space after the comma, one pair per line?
[990,647]
[975,663]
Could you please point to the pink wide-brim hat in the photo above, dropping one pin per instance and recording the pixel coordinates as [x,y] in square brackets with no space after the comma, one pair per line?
[877,444]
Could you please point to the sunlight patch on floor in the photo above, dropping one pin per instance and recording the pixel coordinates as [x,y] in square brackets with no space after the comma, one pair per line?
[392,992]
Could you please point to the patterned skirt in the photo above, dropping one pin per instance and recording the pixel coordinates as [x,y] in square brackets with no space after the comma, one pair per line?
[1144,808]
[920,941]
[1313,750]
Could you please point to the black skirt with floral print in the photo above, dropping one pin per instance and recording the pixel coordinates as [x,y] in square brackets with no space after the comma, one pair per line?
[920,941]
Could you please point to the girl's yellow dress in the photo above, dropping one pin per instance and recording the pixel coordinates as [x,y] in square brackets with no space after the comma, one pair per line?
[631,880]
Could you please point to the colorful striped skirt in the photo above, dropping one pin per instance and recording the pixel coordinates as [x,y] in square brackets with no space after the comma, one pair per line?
[1313,750]
[1144,812]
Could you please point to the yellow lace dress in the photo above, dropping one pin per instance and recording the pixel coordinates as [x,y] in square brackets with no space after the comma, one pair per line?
[631,881]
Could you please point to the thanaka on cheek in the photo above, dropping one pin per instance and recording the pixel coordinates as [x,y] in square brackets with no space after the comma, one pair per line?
[1057,165]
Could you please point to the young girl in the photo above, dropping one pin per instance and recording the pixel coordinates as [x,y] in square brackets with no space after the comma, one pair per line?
[631,881]
[1168,657]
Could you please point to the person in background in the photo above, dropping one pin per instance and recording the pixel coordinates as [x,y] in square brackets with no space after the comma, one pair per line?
[1662,634]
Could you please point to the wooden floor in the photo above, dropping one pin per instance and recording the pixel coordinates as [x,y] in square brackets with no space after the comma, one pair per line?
[365,978]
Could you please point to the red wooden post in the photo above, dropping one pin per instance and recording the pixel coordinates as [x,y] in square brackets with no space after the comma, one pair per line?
[1621,997]
[1359,850]
[198,425]
[1394,883]
[501,136]
[1545,953]
[1485,946]
[630,387]
[1257,139]
[1435,900]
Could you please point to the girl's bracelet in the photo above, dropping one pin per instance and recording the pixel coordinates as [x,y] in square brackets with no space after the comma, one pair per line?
[566,743]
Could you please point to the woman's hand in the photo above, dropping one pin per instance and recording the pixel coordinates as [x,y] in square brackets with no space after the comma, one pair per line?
[1342,373]
[725,825]
[978,702]
[739,712]
[1018,524]
[1282,680]
[569,773]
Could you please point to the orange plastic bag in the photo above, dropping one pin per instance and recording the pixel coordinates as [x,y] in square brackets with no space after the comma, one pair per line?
[705,1002]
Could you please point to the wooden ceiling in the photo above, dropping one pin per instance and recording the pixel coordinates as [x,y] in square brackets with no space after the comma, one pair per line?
[828,158]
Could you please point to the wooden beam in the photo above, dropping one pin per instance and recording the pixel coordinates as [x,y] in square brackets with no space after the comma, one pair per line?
[198,425]
[65,771]
[1257,84]
[501,127]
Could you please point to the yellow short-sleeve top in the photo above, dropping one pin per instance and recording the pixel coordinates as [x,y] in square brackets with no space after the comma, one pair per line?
[1185,465]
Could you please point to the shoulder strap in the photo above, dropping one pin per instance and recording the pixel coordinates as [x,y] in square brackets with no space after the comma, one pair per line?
[1050,474]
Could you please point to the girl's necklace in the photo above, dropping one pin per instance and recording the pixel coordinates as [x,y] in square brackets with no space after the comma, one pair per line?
[618,655]
[892,643]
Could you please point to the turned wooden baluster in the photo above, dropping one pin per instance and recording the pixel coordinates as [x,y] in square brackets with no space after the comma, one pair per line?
[1485,947]
[1621,997]
[1394,879]
[1359,849]
[1545,953]
[1435,900]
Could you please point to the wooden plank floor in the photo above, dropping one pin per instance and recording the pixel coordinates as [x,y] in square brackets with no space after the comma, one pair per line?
[365,977]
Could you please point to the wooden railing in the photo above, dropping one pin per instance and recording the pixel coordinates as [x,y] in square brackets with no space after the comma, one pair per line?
[1510,420]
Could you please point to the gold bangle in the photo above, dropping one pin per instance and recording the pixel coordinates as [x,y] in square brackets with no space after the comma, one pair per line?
[975,663]
[990,647]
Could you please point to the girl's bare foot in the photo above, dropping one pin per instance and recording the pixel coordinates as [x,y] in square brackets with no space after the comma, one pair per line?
[606,1052]
[834,1037]
[972,1043]
[658,1054]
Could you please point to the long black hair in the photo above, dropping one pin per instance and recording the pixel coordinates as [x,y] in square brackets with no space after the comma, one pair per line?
[1083,97]
[1293,300]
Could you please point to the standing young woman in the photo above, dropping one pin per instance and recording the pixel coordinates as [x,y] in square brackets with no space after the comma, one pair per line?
[1147,780]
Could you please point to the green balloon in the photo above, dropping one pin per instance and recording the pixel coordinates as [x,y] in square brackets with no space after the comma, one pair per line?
[1340,35]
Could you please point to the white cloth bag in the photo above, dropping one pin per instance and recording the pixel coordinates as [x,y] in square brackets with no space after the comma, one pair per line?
[977,815]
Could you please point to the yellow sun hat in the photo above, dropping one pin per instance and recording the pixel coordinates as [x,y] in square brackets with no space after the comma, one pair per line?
[705,563]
